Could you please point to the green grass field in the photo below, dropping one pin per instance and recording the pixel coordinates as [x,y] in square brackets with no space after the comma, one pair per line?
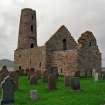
[92,93]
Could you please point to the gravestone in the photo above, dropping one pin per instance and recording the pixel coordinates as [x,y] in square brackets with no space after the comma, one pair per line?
[93,72]
[75,83]
[103,75]
[67,81]
[45,76]
[4,72]
[51,82]
[53,71]
[34,94]
[96,77]
[33,79]
[31,73]
[8,90]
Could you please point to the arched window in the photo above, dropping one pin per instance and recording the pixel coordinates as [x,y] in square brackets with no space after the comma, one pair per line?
[32,28]
[20,67]
[64,44]
[32,45]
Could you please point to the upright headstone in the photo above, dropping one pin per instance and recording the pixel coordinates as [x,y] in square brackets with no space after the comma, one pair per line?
[45,76]
[51,82]
[102,75]
[4,72]
[67,81]
[53,71]
[33,79]
[34,94]
[93,72]
[96,77]
[31,72]
[8,90]
[75,83]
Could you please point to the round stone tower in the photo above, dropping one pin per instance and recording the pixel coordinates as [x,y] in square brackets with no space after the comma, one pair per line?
[27,29]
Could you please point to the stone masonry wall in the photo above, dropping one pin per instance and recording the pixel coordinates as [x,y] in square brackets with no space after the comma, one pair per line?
[60,41]
[30,58]
[88,53]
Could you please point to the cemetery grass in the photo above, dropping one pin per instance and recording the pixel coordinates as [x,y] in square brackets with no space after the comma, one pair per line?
[92,93]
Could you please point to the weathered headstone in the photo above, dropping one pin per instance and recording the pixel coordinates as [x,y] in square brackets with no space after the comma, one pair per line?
[53,71]
[31,73]
[75,83]
[34,94]
[8,90]
[102,75]
[51,82]
[45,76]
[67,81]
[96,77]
[4,72]
[33,79]
[93,72]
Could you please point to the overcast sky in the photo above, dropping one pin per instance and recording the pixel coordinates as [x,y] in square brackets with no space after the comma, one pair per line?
[77,15]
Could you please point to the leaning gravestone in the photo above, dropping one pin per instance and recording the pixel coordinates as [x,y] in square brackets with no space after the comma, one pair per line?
[8,90]
[51,82]
[75,83]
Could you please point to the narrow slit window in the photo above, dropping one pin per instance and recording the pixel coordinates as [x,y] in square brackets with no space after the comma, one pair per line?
[90,44]
[32,28]
[20,67]
[64,44]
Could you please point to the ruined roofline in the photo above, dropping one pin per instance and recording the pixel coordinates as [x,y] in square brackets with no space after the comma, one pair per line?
[63,27]
[87,33]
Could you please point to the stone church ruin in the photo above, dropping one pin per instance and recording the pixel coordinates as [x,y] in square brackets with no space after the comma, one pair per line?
[61,52]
